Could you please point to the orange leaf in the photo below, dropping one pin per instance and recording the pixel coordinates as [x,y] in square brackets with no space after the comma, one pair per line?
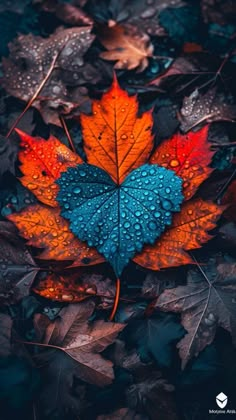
[65,288]
[114,138]
[127,45]
[43,227]
[189,156]
[188,231]
[42,163]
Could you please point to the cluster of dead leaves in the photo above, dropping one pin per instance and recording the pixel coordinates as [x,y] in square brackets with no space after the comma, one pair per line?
[187,155]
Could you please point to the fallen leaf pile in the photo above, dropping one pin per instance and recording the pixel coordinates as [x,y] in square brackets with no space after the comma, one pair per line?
[117,201]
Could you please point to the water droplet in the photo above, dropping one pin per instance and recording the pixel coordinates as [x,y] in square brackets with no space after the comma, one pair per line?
[174,163]
[126,225]
[166,204]
[77,190]
[137,226]
[152,225]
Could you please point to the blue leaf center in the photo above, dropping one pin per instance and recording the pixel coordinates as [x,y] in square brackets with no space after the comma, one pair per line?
[119,219]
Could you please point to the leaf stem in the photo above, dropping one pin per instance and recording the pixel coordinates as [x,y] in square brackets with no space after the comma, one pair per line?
[116,301]
[34,97]
[64,126]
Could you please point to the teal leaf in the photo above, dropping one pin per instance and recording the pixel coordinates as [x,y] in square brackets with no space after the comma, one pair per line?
[119,219]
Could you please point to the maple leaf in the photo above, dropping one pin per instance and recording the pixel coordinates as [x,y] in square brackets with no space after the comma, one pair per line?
[115,139]
[129,207]
[17,267]
[82,341]
[117,202]
[45,228]
[139,13]
[209,107]
[188,231]
[207,301]
[42,162]
[75,286]
[8,155]
[189,156]
[30,59]
[126,45]
[155,336]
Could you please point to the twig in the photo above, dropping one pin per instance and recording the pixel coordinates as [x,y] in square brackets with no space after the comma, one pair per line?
[34,97]
[116,301]
[226,185]
[64,126]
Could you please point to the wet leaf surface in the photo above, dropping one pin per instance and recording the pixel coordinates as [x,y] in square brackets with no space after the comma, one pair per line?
[206,301]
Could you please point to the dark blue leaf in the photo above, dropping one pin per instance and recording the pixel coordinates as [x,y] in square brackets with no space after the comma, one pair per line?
[119,219]
[182,23]
[155,337]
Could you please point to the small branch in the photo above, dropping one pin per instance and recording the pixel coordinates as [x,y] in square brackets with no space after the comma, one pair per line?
[32,343]
[34,97]
[230,144]
[116,302]
[222,190]
[64,126]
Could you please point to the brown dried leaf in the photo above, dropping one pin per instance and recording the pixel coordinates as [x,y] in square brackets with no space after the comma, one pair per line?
[5,335]
[142,13]
[209,107]
[207,301]
[126,45]
[83,341]
[30,59]
[70,13]
[17,267]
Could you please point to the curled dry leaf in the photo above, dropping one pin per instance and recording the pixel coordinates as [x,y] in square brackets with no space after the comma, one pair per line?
[126,45]
[30,60]
[83,341]
[17,267]
[43,227]
[207,301]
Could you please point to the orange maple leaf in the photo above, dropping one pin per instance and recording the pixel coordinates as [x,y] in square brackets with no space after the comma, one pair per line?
[43,227]
[42,163]
[188,231]
[115,139]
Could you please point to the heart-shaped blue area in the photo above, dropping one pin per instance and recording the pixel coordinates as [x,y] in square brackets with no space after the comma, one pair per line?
[119,220]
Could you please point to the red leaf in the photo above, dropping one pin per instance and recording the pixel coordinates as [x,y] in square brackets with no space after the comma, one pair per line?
[189,156]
